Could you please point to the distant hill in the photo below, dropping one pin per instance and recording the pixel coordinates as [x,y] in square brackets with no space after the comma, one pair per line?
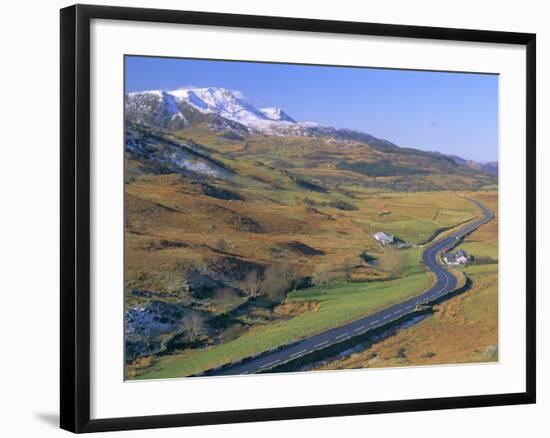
[490,167]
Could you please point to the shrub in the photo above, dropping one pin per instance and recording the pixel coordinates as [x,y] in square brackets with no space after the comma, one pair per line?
[484,260]
[401,353]
[342,205]
[367,258]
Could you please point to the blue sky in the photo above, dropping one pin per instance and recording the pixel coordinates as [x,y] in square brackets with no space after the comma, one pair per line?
[454,113]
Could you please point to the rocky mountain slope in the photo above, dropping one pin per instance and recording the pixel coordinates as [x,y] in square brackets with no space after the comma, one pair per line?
[223,111]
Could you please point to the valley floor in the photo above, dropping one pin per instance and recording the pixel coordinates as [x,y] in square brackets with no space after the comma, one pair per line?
[471,316]
[238,241]
[462,330]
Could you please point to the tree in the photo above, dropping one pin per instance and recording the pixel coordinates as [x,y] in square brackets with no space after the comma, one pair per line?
[287,272]
[251,284]
[321,277]
[278,279]
[193,327]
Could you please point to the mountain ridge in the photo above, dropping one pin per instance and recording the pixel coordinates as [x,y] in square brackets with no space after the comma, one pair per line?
[225,111]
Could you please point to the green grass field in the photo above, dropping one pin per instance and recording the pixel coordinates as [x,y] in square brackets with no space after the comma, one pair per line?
[480,249]
[338,304]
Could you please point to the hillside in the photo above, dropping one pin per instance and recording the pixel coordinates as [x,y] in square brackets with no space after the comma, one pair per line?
[218,115]
[231,211]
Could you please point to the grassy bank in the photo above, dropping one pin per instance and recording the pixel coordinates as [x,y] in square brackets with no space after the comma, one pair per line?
[338,304]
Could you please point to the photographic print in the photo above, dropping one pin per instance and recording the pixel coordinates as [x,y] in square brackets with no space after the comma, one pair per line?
[301,218]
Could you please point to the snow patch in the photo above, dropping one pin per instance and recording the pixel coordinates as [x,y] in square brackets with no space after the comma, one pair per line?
[277,114]
[172,106]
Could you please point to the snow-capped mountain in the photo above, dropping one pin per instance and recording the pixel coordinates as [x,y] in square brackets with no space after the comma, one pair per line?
[170,106]
[225,111]
[220,101]
[210,100]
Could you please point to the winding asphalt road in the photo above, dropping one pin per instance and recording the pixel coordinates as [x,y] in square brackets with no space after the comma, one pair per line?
[445,284]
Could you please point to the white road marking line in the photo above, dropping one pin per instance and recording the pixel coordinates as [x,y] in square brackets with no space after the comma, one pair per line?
[270,363]
[374,322]
[341,336]
[298,353]
[408,307]
[386,317]
[321,344]
[397,313]
[359,328]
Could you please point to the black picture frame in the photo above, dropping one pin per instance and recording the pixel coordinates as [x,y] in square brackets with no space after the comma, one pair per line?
[75,217]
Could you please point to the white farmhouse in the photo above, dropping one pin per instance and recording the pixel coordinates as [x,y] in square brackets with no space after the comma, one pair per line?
[450,259]
[461,257]
[383,238]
